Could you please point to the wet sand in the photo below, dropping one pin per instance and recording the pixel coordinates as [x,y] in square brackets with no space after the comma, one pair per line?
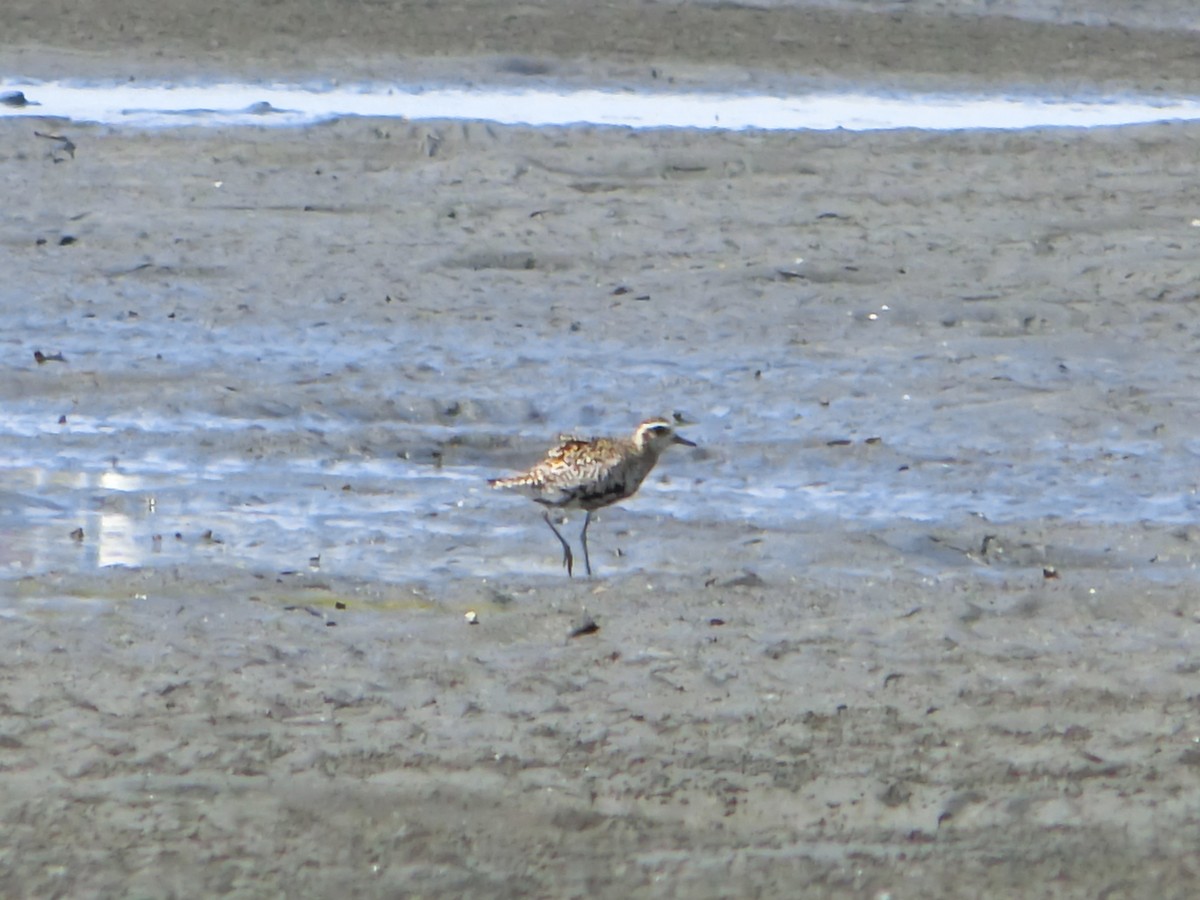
[918,618]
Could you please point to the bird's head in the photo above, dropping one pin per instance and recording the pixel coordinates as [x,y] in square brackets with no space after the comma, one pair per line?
[656,435]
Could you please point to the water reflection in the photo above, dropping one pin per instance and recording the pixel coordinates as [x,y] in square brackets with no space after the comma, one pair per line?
[271,516]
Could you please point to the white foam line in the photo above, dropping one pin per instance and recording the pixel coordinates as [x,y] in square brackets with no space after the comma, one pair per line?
[230,104]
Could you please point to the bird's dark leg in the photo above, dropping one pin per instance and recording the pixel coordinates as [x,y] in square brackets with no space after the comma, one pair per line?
[587,520]
[568,558]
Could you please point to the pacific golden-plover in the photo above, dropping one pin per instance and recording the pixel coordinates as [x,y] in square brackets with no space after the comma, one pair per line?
[591,473]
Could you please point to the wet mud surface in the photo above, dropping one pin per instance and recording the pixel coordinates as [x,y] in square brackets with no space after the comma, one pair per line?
[918,617]
[1065,45]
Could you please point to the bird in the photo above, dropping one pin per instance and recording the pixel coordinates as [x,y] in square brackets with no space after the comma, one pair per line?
[590,473]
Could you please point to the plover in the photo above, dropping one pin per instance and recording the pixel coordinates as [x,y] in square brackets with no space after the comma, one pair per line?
[591,473]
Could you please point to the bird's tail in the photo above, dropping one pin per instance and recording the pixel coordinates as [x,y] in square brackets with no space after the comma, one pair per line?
[514,481]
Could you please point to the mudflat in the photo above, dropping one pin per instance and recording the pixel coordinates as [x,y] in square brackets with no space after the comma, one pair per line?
[918,617]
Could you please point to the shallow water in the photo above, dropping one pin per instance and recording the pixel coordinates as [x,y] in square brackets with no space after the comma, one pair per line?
[151,105]
[155,486]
